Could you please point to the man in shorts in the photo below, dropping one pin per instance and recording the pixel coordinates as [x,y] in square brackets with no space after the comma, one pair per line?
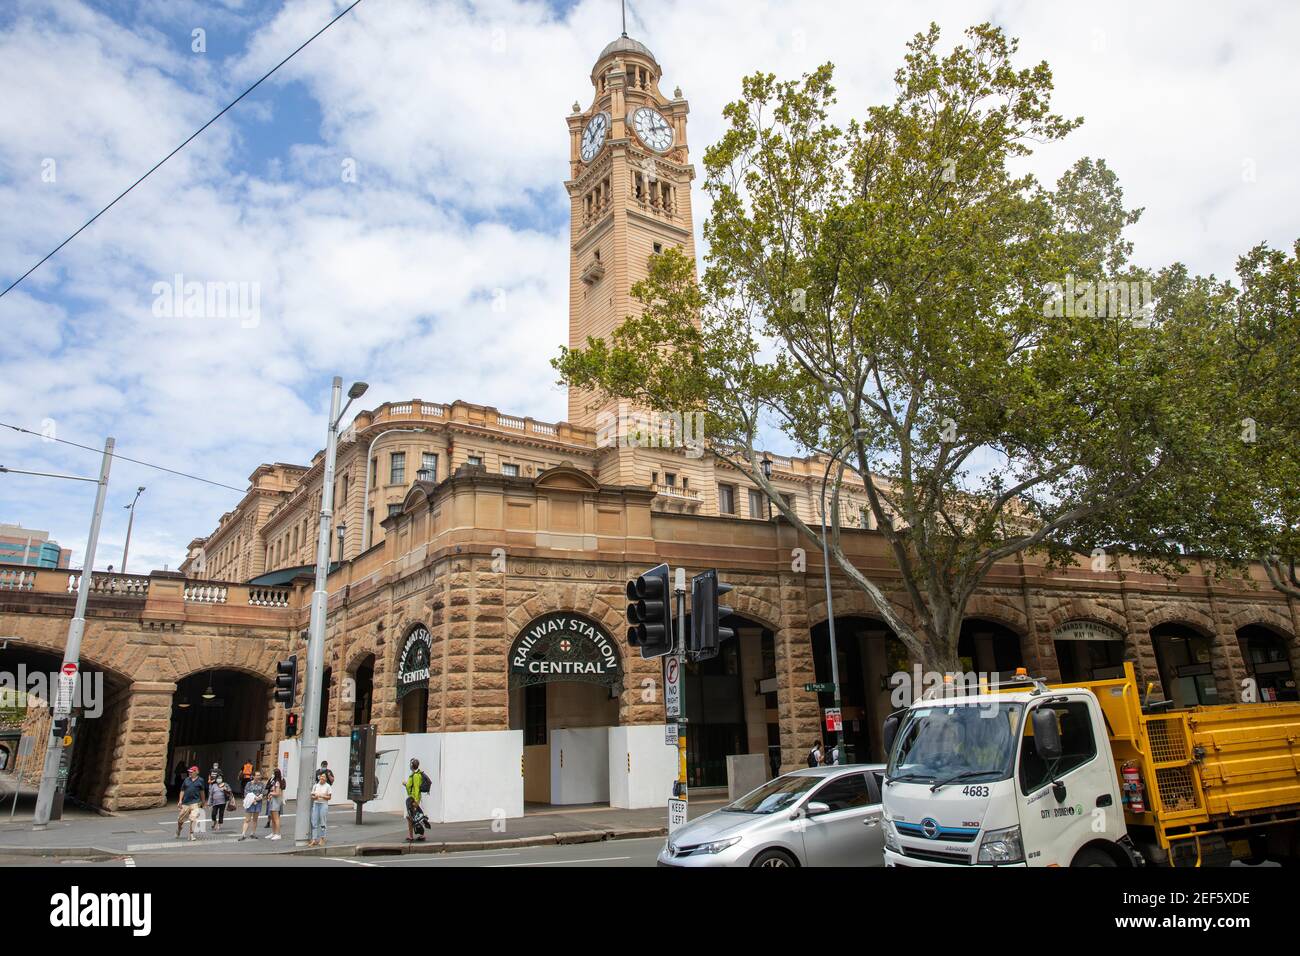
[192,799]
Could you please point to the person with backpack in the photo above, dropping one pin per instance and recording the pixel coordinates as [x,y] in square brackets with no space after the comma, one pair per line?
[815,758]
[245,775]
[417,784]
[325,769]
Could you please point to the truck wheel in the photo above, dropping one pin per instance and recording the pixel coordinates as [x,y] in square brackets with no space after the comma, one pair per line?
[1093,856]
[773,858]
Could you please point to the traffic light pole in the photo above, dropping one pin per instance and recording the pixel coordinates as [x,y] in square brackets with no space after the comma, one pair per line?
[680,650]
[72,653]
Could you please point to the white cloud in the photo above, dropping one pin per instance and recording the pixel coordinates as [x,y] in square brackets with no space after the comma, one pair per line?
[454,114]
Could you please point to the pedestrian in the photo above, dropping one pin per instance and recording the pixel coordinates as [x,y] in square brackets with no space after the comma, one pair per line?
[321,794]
[178,776]
[417,784]
[835,756]
[274,803]
[254,790]
[214,773]
[245,775]
[218,796]
[815,758]
[190,802]
[325,766]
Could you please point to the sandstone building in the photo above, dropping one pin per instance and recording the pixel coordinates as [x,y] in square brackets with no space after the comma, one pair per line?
[476,607]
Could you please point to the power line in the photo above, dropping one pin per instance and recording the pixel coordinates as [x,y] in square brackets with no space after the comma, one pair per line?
[134,461]
[179,148]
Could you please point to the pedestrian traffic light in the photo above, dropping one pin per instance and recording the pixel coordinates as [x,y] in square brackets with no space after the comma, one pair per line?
[291,724]
[286,680]
[707,632]
[649,613]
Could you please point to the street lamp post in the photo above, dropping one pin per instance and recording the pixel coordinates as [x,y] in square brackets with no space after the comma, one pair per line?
[126,548]
[310,740]
[830,610]
[767,473]
[72,653]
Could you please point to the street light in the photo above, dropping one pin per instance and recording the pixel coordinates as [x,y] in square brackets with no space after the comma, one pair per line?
[858,434]
[130,521]
[341,531]
[767,473]
[310,740]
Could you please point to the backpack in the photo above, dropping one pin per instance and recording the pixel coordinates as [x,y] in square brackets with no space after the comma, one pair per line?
[425,785]
[812,758]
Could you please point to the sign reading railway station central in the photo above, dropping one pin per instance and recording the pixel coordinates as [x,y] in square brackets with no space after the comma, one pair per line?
[413,666]
[564,647]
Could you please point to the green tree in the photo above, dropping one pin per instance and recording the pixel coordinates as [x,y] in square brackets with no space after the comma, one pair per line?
[898,297]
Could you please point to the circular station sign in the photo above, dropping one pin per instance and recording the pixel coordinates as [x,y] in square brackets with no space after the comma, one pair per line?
[413,665]
[563,646]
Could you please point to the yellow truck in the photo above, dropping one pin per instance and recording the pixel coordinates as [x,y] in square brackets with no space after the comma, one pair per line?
[1033,774]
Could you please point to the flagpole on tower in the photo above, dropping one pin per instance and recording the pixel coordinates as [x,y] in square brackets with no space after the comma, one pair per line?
[623,6]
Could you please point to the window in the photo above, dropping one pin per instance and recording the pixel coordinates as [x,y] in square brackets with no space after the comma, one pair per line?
[344,499]
[670,479]
[374,471]
[394,510]
[844,793]
[475,460]
[397,468]
[658,248]
[756,509]
[727,499]
[1077,746]
[789,500]
[429,463]
[510,470]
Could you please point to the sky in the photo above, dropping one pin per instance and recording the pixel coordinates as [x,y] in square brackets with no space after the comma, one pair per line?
[390,205]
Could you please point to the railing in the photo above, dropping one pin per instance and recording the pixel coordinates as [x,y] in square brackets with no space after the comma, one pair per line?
[205,593]
[399,409]
[436,411]
[541,429]
[118,585]
[505,421]
[676,491]
[14,579]
[268,597]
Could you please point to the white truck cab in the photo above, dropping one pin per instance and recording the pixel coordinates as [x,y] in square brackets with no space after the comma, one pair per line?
[968,784]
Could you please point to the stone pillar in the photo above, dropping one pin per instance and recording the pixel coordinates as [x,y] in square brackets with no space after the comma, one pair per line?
[796,708]
[1225,653]
[490,696]
[139,765]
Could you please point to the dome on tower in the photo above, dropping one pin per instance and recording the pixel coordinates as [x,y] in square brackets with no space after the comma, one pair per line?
[626,44]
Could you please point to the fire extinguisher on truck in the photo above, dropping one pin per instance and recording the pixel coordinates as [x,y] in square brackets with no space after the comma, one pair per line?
[1131,784]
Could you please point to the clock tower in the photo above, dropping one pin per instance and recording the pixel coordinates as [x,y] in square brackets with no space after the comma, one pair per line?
[630,197]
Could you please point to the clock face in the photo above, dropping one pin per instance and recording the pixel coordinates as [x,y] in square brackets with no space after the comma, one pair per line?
[593,137]
[653,129]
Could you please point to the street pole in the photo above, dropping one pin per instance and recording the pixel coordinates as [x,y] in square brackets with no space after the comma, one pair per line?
[311,702]
[682,776]
[126,549]
[72,652]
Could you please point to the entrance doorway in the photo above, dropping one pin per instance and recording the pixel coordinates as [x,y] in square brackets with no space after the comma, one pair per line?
[869,655]
[218,716]
[363,689]
[989,649]
[1267,661]
[565,682]
[1088,651]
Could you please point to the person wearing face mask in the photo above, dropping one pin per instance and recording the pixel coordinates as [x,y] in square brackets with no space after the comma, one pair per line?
[417,784]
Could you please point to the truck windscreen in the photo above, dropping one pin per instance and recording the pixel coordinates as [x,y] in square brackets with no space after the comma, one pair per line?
[941,740]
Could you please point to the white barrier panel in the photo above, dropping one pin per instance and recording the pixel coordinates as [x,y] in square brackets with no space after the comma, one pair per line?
[580,765]
[642,767]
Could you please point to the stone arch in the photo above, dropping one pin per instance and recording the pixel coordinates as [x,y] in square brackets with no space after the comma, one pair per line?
[1264,616]
[856,603]
[1087,609]
[1184,613]
[999,610]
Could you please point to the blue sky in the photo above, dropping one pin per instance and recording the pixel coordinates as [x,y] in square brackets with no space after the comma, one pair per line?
[439,271]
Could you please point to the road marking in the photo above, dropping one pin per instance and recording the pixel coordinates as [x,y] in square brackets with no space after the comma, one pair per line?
[450,857]
[348,859]
[129,861]
[594,859]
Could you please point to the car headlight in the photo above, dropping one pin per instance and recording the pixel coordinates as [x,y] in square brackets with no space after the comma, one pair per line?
[1002,846]
[891,837]
[716,847]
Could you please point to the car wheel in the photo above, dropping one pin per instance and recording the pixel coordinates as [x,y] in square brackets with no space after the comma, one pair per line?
[1092,856]
[774,858]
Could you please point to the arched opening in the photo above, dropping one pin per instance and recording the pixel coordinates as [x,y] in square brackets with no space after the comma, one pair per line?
[326,681]
[413,679]
[86,767]
[1268,663]
[5,755]
[1185,659]
[869,655]
[989,649]
[565,682]
[363,690]
[218,717]
[1088,651]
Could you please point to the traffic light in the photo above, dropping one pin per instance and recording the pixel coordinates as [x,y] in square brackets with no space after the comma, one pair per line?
[649,613]
[291,724]
[707,631]
[286,680]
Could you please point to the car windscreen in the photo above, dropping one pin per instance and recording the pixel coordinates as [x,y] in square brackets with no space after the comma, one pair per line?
[775,795]
[943,741]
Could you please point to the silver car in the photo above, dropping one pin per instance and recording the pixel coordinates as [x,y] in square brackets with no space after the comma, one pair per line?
[822,816]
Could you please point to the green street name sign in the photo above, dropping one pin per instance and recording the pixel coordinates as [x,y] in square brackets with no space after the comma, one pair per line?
[825,687]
